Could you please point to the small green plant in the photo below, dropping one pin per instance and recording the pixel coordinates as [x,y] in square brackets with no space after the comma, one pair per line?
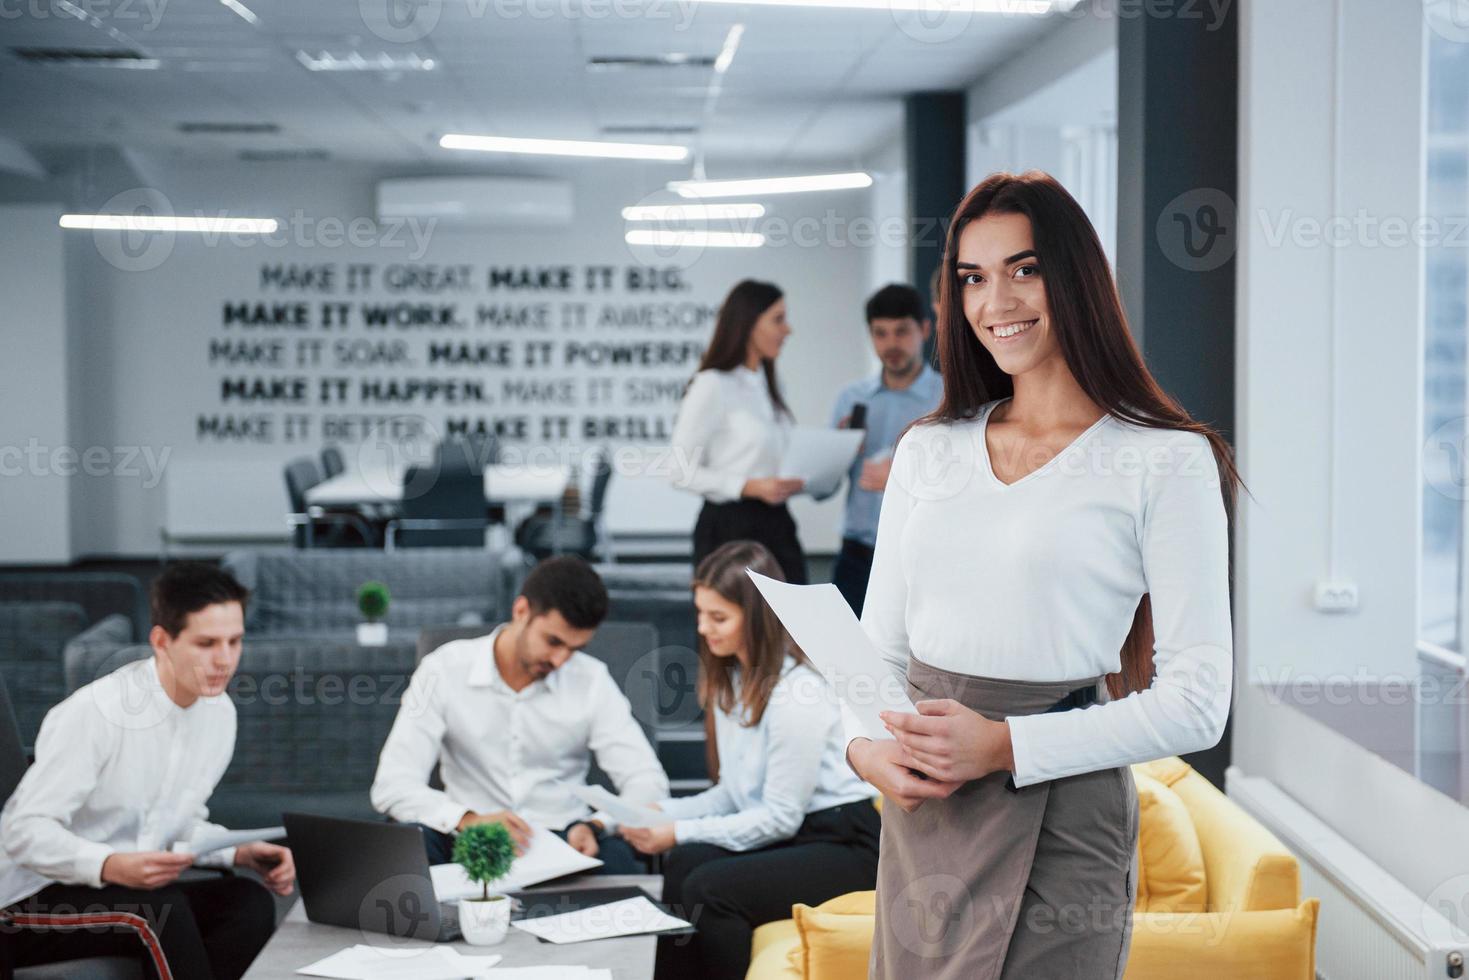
[485,852]
[372,600]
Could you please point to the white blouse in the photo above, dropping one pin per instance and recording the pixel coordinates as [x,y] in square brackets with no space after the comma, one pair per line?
[728,431]
[793,762]
[1039,580]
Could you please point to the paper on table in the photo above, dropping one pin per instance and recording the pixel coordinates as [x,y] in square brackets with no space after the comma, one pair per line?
[629,917]
[547,857]
[821,457]
[214,840]
[822,624]
[362,962]
[627,814]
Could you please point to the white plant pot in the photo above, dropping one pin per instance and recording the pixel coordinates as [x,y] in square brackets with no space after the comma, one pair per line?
[484,923]
[372,634]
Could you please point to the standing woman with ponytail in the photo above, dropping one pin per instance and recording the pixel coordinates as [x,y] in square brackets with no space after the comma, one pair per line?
[1057,522]
[732,430]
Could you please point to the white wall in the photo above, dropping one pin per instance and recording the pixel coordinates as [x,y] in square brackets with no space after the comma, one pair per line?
[38,456]
[142,325]
[1329,388]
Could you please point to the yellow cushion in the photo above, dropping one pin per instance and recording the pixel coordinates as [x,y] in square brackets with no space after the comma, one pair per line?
[771,949]
[1167,771]
[836,936]
[1278,944]
[1170,861]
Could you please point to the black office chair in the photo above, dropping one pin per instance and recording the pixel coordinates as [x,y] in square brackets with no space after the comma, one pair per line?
[440,510]
[473,450]
[332,461]
[544,534]
[317,527]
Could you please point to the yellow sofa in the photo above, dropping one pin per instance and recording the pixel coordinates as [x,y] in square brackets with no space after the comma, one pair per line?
[1253,925]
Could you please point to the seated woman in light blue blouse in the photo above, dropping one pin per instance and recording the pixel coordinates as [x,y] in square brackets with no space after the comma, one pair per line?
[788,821]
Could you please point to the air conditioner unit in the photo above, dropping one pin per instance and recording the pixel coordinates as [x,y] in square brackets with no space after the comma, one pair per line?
[478,201]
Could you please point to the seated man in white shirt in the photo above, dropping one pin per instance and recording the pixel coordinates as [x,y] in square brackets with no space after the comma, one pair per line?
[513,720]
[103,823]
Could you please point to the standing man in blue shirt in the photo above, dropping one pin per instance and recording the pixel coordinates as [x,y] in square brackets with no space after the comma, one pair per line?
[905,389]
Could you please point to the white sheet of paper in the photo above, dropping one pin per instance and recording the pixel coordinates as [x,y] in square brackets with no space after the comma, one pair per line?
[547,857]
[629,917]
[821,457]
[214,840]
[822,624]
[363,962]
[626,814]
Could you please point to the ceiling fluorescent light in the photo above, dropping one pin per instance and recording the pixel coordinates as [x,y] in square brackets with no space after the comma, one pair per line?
[244,11]
[935,6]
[355,61]
[703,239]
[727,53]
[566,148]
[692,212]
[769,185]
[151,222]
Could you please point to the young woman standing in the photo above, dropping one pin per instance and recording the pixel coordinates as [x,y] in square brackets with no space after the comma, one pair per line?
[733,427]
[788,821]
[1058,521]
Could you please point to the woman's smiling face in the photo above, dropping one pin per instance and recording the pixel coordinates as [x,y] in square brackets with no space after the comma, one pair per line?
[1004,297]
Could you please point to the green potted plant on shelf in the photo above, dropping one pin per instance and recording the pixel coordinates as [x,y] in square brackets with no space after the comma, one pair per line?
[485,851]
[372,602]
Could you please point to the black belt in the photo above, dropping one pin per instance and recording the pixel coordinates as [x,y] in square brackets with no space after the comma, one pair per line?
[1079,698]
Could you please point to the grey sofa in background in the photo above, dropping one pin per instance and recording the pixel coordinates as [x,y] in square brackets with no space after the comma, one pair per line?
[300,593]
[40,613]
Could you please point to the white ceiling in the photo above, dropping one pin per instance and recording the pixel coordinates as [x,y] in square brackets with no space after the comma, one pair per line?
[806,84]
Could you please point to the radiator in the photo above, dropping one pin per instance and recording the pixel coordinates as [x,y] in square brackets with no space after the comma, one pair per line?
[1371,927]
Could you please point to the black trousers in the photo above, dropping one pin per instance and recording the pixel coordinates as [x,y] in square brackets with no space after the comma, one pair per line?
[189,930]
[850,572]
[727,894]
[752,520]
[617,855]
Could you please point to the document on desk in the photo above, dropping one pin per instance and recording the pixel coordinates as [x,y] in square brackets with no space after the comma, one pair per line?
[822,624]
[821,457]
[625,813]
[630,917]
[363,962]
[214,840]
[547,857]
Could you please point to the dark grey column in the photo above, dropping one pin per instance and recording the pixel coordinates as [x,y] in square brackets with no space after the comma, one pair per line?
[933,146]
[1177,132]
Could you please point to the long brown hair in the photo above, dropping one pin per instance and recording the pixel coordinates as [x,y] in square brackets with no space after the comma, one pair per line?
[766,640]
[1091,328]
[732,328]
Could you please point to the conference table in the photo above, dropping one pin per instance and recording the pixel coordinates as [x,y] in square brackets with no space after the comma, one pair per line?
[298,941]
[505,483]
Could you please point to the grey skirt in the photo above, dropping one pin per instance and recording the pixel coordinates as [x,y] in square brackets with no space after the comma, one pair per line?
[998,882]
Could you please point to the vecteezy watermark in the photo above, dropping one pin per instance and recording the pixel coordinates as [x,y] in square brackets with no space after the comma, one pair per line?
[138,15]
[1445,459]
[1198,230]
[144,463]
[407,21]
[1449,19]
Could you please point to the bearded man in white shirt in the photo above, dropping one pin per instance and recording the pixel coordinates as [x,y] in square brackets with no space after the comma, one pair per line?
[513,720]
[103,823]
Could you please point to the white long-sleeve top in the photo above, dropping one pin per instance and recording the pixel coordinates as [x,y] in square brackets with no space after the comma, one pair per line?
[500,749]
[1039,580]
[771,774]
[119,768]
[728,431]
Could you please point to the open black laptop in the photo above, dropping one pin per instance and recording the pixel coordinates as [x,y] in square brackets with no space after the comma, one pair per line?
[367,874]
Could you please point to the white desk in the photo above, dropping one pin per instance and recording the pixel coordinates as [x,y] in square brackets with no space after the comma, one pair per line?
[298,941]
[504,484]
